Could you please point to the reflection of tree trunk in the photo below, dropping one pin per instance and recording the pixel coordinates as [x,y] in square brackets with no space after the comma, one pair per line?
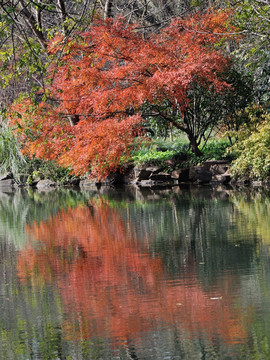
[131,350]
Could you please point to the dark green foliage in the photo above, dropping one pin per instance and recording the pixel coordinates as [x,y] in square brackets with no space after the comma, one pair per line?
[177,153]
[40,169]
[216,149]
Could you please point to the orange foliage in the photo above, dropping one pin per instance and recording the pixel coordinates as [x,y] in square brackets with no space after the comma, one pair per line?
[106,75]
[108,279]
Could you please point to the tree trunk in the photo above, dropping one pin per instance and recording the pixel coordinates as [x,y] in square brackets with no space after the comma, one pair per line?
[73,119]
[194,145]
[108,9]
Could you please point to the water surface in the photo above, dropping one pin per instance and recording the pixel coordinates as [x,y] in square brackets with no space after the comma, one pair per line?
[133,273]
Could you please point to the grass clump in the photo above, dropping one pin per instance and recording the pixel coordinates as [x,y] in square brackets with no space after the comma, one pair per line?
[11,158]
[13,161]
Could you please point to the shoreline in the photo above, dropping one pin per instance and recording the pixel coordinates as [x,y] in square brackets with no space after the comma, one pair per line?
[210,173]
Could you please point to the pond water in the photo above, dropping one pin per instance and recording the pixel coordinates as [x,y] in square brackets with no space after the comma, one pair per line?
[180,273]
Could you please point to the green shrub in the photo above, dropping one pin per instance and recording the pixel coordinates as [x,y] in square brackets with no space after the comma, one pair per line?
[253,152]
[153,157]
[159,151]
[179,145]
[216,149]
[40,169]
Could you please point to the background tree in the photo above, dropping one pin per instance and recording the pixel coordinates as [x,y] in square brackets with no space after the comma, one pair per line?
[25,29]
[208,111]
[253,19]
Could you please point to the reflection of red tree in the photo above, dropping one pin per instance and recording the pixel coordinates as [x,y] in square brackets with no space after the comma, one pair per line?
[110,284]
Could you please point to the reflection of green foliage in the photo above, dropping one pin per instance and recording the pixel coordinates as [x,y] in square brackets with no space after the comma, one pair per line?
[31,327]
[32,319]
[21,208]
[256,209]
[194,224]
[29,319]
[253,208]
[260,342]
[258,345]
[34,329]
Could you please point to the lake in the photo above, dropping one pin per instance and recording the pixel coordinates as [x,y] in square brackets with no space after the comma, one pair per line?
[132,273]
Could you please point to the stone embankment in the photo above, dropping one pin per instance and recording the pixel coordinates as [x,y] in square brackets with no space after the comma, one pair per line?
[211,172]
[215,172]
[8,181]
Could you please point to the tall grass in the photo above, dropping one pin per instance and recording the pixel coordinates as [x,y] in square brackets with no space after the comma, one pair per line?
[11,158]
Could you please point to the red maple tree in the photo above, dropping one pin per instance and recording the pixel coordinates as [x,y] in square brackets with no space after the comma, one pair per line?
[104,79]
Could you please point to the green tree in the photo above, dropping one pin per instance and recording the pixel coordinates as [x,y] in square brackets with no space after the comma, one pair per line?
[208,111]
[25,29]
[252,17]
